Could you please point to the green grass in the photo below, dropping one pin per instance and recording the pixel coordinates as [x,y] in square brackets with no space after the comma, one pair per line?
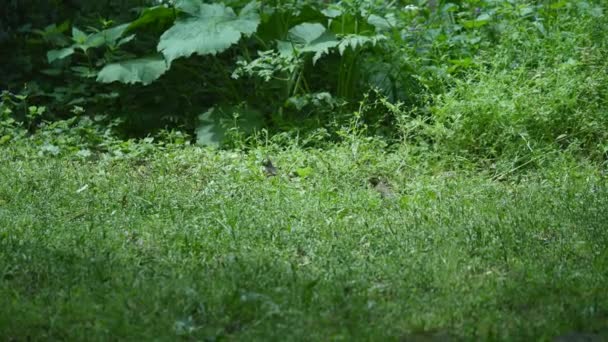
[201,245]
[497,228]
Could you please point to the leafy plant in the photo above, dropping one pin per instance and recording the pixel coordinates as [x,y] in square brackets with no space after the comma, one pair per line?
[218,24]
[288,65]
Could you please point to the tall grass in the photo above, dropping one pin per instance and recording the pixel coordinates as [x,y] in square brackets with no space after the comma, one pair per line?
[541,89]
[201,245]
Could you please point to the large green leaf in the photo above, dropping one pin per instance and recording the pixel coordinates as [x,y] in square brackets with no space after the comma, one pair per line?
[141,70]
[308,37]
[158,16]
[315,38]
[208,29]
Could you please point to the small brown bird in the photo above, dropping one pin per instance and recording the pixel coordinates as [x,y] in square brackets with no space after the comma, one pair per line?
[269,169]
[382,187]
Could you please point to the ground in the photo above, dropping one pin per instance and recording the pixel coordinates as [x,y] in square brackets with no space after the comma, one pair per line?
[205,245]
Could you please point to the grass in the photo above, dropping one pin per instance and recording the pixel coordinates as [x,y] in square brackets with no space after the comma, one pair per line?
[497,232]
[200,245]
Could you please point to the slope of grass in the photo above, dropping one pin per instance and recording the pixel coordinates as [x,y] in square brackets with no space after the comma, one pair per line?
[532,93]
[201,245]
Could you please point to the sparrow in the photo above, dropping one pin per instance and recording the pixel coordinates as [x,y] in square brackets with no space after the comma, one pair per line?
[269,169]
[383,188]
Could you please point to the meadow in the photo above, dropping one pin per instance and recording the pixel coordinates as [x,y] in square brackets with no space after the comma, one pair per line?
[201,245]
[304,170]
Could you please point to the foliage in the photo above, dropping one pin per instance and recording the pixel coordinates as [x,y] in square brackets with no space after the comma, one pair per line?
[80,137]
[218,24]
[316,30]
[141,70]
[299,66]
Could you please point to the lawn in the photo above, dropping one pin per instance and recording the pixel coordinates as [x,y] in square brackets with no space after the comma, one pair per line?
[304,170]
[197,244]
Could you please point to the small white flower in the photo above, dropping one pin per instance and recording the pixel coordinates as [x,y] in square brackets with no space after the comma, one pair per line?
[411,8]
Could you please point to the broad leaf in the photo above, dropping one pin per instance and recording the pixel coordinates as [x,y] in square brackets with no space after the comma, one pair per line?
[382,23]
[78,36]
[125,40]
[308,37]
[84,42]
[113,34]
[209,29]
[191,7]
[306,33]
[159,15]
[141,70]
[332,12]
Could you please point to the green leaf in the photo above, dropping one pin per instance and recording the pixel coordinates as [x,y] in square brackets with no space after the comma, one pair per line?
[159,15]
[84,72]
[382,24]
[78,36]
[526,11]
[50,149]
[141,70]
[308,37]
[355,41]
[482,20]
[84,42]
[113,34]
[306,33]
[191,7]
[51,72]
[125,40]
[558,4]
[596,12]
[5,138]
[332,12]
[54,55]
[95,40]
[209,29]
[304,171]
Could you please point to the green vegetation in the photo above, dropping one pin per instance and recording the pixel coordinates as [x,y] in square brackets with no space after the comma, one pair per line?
[311,170]
[488,79]
[201,244]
